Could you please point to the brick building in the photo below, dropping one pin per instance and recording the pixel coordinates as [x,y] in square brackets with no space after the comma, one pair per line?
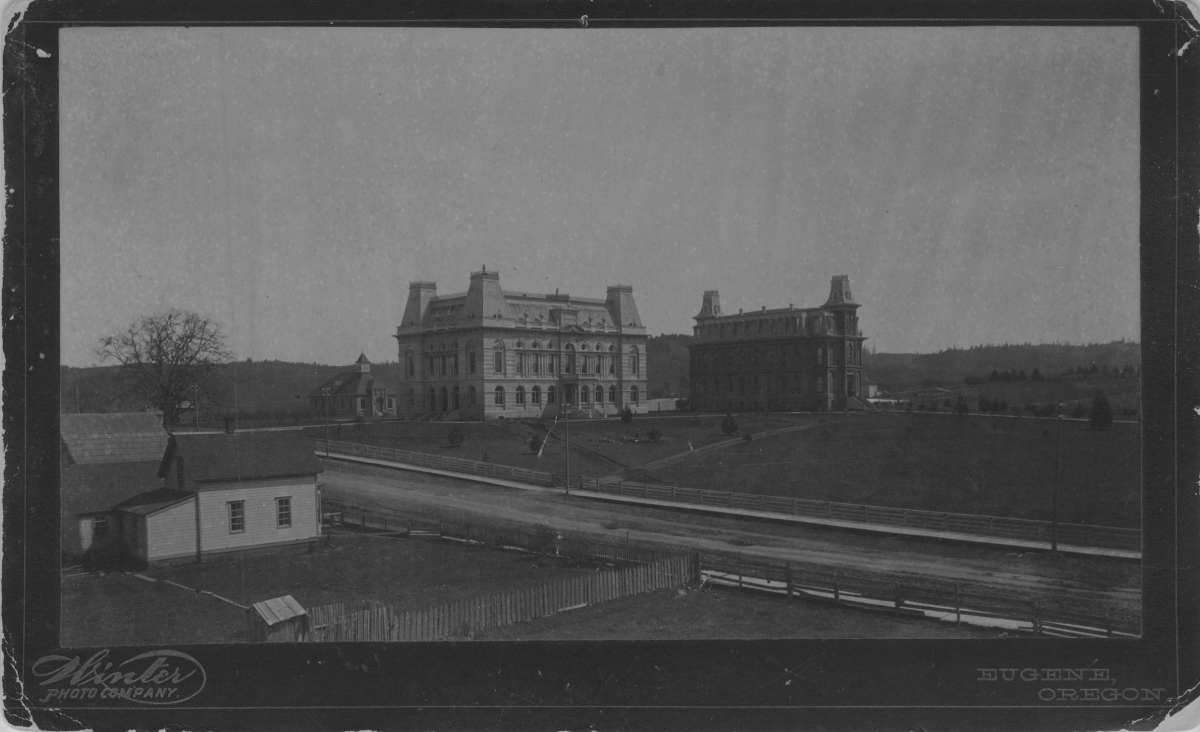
[488,353]
[782,359]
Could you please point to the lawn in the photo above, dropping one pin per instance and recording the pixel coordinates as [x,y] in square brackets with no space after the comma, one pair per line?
[984,465]
[119,609]
[710,614]
[599,446]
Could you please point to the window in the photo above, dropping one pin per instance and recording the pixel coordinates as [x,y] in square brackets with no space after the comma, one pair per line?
[585,395]
[412,398]
[391,403]
[498,361]
[633,362]
[454,396]
[432,404]
[633,394]
[570,359]
[499,396]
[445,400]
[99,527]
[454,364]
[410,364]
[612,394]
[599,394]
[520,396]
[470,396]
[820,355]
[471,362]
[536,395]
[429,365]
[520,362]
[283,512]
[536,361]
[549,394]
[237,516]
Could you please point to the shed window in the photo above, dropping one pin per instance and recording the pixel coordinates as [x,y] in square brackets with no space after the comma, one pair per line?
[237,517]
[283,512]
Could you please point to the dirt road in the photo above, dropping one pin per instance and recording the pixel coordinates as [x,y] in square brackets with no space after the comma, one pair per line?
[1031,575]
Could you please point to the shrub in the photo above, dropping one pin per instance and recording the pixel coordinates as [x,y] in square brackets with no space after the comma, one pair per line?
[655,434]
[1102,413]
[627,415]
[729,425]
[360,424]
[456,436]
[960,405]
[535,443]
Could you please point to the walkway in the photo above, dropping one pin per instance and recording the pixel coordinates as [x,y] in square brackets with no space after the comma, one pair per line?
[993,541]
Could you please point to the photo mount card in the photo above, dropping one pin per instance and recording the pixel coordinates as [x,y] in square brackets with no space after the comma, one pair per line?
[591,179]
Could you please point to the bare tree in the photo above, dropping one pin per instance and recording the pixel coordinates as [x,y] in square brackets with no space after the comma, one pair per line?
[166,357]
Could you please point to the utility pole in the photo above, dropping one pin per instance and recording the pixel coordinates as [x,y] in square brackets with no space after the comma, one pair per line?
[327,393]
[567,441]
[196,404]
[1057,479]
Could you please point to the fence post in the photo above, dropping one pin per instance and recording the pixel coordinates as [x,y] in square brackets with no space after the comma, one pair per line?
[1037,620]
[899,599]
[739,569]
[672,493]
[788,570]
[957,606]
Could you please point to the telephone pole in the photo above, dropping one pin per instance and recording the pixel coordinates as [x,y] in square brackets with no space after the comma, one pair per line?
[1057,479]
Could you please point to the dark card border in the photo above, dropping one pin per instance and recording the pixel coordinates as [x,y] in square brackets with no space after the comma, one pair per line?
[836,684]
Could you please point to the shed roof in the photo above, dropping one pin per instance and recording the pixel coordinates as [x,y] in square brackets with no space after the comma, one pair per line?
[279,609]
[151,501]
[220,456]
[112,438]
[94,488]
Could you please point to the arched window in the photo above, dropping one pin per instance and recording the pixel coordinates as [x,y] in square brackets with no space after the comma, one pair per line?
[470,396]
[634,366]
[612,394]
[454,394]
[410,364]
[599,394]
[549,394]
[536,395]
[633,394]
[499,396]
[498,359]
[520,396]
[412,398]
[471,357]
[536,358]
[431,405]
[445,399]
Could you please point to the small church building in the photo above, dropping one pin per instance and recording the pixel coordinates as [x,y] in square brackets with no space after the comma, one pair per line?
[354,393]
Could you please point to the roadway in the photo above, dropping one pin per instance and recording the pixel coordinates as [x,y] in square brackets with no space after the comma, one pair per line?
[1053,579]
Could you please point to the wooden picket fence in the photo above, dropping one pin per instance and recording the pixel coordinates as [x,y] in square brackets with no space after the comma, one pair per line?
[1107,537]
[462,619]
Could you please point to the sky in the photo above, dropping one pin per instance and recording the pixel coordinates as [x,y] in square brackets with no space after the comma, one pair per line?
[978,185]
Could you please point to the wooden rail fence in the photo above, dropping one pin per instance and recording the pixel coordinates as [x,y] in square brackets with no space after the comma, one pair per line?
[1107,537]
[379,622]
[1077,615]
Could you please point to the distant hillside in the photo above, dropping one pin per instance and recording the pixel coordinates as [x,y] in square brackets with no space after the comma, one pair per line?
[900,370]
[667,366]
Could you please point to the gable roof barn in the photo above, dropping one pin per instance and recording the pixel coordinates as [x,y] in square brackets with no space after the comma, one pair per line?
[111,438]
[212,457]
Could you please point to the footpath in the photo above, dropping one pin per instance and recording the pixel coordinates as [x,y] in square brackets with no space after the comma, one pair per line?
[729,512]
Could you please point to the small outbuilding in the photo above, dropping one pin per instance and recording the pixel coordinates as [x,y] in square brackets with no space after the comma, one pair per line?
[278,620]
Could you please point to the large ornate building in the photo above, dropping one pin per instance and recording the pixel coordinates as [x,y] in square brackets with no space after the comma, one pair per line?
[487,353]
[782,359]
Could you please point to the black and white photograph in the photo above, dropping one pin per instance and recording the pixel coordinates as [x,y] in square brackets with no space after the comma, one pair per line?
[391,334]
[489,338]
